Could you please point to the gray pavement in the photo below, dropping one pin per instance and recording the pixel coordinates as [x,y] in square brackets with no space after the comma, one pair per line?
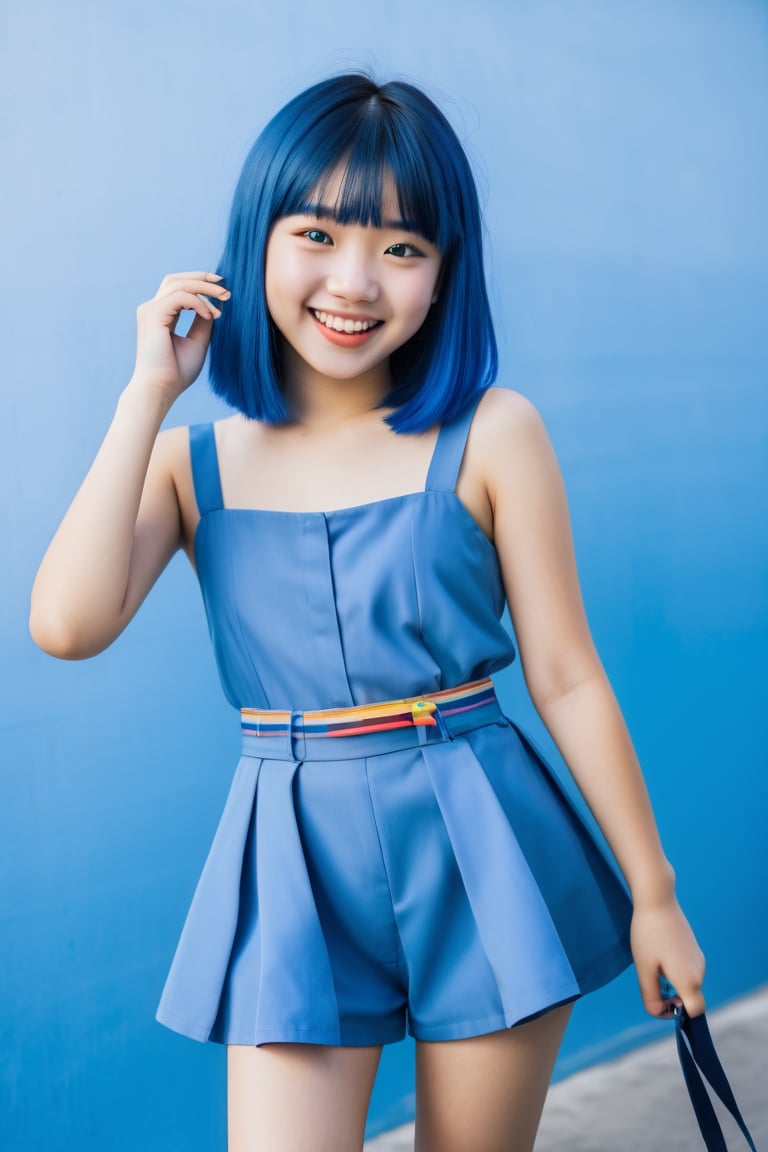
[639,1103]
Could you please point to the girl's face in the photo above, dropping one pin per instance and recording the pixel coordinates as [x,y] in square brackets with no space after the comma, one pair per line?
[346,296]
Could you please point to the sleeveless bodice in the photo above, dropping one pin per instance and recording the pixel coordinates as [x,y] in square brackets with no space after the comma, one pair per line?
[330,609]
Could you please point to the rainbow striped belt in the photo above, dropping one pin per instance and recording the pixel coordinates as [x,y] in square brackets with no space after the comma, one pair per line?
[430,710]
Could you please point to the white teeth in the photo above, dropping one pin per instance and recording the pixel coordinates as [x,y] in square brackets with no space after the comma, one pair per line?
[338,324]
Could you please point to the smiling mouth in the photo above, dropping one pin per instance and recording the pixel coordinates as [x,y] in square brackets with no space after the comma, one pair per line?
[344,323]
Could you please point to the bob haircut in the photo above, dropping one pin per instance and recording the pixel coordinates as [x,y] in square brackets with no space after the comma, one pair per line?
[374,132]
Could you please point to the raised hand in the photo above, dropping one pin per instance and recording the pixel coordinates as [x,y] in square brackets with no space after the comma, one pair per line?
[124,523]
[164,360]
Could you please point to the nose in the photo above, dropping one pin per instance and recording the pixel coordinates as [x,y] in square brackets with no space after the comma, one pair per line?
[352,276]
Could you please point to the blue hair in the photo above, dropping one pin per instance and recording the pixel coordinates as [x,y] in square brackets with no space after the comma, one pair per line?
[374,132]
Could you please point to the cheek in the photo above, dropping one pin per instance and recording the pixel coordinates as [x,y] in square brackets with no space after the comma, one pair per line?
[417,300]
[285,279]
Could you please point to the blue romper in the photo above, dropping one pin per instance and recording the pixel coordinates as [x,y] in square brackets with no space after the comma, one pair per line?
[427,878]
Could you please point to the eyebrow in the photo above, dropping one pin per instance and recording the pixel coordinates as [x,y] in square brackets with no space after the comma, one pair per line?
[324,212]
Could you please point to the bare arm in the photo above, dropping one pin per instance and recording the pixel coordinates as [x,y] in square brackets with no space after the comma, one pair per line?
[124,523]
[569,687]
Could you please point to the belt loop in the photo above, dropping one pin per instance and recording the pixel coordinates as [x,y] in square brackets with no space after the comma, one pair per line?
[296,737]
[442,725]
[433,731]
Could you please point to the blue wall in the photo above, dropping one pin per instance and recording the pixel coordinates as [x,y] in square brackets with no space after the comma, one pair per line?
[622,152]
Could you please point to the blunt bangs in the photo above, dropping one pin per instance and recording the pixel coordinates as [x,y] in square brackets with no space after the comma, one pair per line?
[370,154]
[352,138]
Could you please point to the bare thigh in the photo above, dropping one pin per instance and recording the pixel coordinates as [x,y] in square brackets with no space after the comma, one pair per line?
[486,1094]
[298,1097]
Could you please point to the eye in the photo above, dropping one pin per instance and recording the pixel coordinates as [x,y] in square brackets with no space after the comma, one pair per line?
[403,250]
[317,236]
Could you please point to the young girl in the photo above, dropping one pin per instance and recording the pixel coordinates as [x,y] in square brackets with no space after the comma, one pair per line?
[394,852]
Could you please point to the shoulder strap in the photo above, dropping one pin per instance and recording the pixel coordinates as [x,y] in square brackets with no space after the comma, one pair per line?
[205,468]
[449,449]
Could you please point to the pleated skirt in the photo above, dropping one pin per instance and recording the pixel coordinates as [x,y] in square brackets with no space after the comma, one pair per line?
[431,882]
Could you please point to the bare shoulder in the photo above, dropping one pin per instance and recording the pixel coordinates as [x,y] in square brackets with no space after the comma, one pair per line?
[503,412]
[171,447]
[172,458]
[172,453]
[171,466]
[508,433]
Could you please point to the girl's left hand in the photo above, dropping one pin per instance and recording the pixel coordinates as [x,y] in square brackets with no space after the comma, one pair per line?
[664,946]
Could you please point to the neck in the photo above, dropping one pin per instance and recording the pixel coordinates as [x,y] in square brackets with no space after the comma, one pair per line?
[319,401]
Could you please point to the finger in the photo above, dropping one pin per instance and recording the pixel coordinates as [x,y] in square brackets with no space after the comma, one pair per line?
[200,330]
[198,286]
[209,277]
[661,1009]
[654,999]
[693,1001]
[656,1003]
[663,999]
[690,983]
[166,309]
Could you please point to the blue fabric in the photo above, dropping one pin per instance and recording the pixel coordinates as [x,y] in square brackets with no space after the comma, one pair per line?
[435,880]
[205,469]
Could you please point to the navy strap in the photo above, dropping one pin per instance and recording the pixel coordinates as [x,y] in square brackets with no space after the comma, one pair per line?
[697,1055]
[449,450]
[205,468]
